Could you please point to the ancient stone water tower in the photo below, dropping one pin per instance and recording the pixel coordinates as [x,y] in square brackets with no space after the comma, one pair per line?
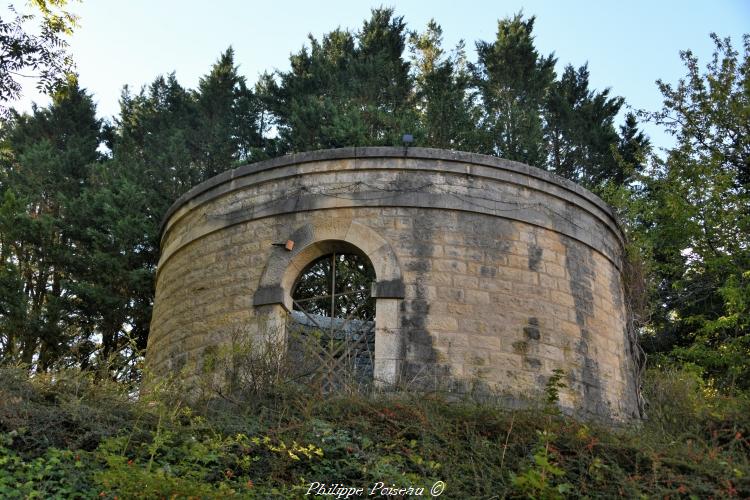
[485,273]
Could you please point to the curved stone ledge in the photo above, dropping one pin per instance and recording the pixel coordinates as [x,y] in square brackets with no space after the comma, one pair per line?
[383,152]
[370,163]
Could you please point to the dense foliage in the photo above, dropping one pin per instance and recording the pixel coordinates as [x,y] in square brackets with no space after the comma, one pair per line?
[70,437]
[36,52]
[690,214]
[81,199]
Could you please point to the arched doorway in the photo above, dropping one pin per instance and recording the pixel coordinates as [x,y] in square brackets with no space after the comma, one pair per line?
[273,296]
[332,333]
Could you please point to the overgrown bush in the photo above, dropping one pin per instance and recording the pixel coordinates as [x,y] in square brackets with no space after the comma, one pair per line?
[695,443]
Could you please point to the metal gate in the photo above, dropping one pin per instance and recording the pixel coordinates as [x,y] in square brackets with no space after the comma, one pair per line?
[332,332]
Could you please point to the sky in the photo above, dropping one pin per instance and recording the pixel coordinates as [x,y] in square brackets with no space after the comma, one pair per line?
[628,44]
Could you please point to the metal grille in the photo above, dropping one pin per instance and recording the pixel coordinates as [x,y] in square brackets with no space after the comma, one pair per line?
[332,335]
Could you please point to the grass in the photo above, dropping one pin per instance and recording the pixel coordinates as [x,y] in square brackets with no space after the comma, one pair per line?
[71,435]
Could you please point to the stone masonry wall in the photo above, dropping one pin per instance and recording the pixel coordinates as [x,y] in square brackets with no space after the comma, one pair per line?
[505,272]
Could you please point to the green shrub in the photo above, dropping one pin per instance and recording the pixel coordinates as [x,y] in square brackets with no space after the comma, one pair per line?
[695,443]
[54,473]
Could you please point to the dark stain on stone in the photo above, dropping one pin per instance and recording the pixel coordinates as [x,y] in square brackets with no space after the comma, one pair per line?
[303,236]
[532,363]
[491,235]
[482,234]
[616,289]
[582,346]
[409,320]
[531,332]
[579,264]
[421,365]
[419,346]
[488,271]
[420,265]
[419,306]
[535,256]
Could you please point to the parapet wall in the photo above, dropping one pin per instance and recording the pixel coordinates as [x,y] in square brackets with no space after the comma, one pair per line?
[490,274]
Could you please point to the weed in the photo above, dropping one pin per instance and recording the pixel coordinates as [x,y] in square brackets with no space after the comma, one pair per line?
[156,446]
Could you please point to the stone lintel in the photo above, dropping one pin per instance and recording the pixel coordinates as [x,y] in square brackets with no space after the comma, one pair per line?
[391,289]
[268,295]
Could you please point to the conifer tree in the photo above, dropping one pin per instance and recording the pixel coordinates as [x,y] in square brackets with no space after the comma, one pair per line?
[633,149]
[49,156]
[579,129]
[154,138]
[226,123]
[444,98]
[155,159]
[347,89]
[513,80]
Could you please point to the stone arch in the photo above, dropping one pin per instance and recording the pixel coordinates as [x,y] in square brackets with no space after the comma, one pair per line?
[310,242]
[314,240]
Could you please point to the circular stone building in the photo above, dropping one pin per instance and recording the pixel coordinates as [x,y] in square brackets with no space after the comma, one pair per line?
[421,267]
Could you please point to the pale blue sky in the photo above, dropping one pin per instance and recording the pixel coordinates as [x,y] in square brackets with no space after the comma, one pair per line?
[628,44]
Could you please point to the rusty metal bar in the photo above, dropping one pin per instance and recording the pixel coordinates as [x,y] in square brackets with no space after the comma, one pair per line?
[319,297]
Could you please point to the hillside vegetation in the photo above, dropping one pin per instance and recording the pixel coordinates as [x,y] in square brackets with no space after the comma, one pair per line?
[67,435]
